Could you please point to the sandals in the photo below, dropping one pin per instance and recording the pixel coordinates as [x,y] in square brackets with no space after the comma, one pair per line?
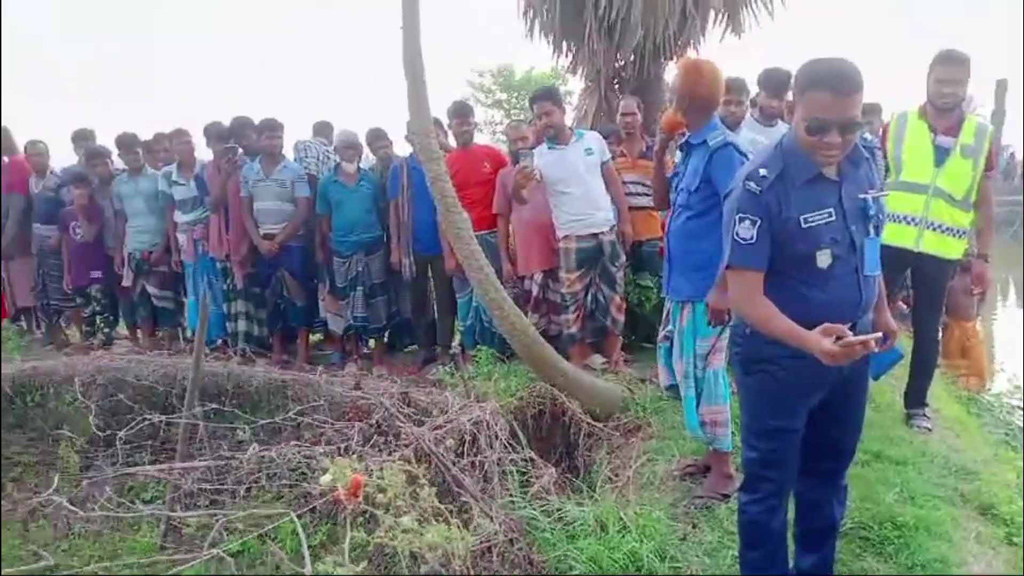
[596,362]
[920,420]
[690,468]
[707,498]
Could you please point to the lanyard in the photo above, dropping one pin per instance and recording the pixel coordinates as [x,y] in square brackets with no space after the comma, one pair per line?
[871,210]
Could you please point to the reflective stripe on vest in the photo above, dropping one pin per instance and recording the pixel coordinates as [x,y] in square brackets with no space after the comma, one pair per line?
[931,209]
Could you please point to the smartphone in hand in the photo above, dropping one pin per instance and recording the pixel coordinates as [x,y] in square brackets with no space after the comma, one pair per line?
[855,340]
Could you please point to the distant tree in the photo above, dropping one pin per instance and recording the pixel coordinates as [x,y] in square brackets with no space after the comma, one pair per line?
[502,93]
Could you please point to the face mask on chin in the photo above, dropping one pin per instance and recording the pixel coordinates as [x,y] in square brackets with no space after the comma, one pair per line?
[349,167]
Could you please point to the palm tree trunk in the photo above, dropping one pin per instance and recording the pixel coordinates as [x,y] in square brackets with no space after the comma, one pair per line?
[650,88]
[600,398]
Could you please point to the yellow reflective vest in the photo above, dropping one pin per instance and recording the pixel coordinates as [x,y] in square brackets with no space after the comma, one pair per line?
[931,209]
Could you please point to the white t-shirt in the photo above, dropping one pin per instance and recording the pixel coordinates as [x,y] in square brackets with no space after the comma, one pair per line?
[580,203]
[756,136]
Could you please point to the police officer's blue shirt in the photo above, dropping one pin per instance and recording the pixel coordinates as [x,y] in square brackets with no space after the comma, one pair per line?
[806,232]
[709,162]
[873,147]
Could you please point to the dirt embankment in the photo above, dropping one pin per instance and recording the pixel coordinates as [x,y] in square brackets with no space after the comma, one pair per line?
[89,446]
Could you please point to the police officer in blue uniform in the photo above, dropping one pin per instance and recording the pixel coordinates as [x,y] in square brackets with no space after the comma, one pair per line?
[803,269]
[871,137]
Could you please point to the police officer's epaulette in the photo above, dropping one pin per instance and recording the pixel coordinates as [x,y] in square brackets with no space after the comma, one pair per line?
[759,178]
[720,138]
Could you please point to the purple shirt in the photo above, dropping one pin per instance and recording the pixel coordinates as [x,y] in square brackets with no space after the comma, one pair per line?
[90,264]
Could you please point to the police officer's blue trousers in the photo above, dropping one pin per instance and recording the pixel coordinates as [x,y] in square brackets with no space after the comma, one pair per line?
[800,425]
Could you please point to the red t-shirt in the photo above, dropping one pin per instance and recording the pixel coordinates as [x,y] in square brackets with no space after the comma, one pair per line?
[15,181]
[473,171]
[16,175]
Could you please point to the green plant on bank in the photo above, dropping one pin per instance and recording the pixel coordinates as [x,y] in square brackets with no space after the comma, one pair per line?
[643,314]
[12,343]
[394,513]
[490,377]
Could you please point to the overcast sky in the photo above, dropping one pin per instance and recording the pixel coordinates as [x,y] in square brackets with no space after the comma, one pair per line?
[152,65]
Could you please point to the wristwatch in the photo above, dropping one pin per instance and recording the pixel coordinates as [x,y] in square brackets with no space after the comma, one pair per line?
[984,257]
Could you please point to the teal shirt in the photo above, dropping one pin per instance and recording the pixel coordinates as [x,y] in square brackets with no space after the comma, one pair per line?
[144,206]
[353,210]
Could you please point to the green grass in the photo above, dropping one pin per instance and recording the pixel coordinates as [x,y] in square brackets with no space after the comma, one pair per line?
[949,502]
[12,343]
[491,378]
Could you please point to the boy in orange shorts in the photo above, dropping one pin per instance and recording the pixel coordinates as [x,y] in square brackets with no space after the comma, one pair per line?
[963,347]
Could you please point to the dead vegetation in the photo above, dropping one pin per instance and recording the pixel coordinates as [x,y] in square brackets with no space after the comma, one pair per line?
[89,444]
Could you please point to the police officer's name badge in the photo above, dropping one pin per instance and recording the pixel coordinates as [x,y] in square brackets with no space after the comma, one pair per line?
[745,228]
[823,258]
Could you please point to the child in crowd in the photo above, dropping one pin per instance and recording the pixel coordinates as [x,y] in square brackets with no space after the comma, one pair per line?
[963,348]
[612,135]
[88,268]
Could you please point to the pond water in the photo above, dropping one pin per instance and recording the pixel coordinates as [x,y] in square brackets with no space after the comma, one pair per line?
[1003,321]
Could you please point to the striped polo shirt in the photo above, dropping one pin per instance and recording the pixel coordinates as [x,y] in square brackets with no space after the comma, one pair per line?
[274,196]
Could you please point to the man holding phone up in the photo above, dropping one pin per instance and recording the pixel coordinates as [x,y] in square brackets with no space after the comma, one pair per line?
[802,240]
[527,241]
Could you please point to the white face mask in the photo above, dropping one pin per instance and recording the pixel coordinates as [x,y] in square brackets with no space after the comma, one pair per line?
[349,167]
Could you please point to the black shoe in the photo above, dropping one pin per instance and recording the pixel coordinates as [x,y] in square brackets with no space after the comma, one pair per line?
[919,420]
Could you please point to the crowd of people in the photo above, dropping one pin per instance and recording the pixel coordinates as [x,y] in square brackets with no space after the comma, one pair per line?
[797,210]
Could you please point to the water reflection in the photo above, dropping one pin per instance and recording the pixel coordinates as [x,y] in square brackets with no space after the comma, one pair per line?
[1003,320]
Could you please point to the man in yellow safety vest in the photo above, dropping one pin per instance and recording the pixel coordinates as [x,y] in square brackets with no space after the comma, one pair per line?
[939,158]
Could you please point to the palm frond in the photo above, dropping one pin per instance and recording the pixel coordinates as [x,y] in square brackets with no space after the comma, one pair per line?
[615,43]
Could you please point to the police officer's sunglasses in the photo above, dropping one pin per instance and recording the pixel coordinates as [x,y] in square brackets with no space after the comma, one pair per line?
[819,127]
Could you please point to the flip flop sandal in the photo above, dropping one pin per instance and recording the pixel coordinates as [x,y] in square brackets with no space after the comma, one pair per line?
[705,500]
[690,468]
[436,371]
[596,362]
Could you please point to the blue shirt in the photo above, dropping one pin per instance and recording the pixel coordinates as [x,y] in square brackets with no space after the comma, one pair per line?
[144,206]
[709,161]
[873,146]
[426,235]
[806,232]
[355,223]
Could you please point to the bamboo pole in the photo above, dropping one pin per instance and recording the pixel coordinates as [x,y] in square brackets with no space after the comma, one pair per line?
[191,395]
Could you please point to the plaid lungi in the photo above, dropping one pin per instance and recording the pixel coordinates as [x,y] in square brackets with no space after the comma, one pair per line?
[247,314]
[359,294]
[51,298]
[691,357]
[149,295]
[540,299]
[476,325]
[593,286]
[285,286]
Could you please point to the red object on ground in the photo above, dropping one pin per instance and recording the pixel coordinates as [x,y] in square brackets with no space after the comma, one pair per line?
[3,301]
[353,493]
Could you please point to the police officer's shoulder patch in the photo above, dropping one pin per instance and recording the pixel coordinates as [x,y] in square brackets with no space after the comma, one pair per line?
[745,228]
[759,178]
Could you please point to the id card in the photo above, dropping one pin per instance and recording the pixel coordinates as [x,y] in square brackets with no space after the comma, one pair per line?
[872,256]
